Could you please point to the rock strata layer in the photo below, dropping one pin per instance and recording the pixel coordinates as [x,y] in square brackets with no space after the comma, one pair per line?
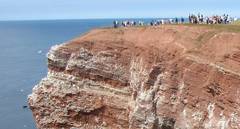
[167,77]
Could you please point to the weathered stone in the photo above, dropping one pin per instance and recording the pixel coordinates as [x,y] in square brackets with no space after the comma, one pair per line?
[141,78]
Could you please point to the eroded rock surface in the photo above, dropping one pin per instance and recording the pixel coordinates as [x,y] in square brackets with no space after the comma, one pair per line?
[168,77]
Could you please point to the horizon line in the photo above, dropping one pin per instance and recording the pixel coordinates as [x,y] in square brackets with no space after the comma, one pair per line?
[62,19]
[85,18]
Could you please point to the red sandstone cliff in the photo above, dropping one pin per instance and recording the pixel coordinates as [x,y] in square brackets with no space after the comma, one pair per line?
[167,77]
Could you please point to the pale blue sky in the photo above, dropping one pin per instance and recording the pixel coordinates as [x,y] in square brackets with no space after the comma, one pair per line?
[84,9]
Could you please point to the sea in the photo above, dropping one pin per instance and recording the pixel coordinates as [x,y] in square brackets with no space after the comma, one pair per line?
[23,62]
[23,49]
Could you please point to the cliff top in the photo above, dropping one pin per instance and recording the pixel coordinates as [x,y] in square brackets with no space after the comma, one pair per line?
[217,44]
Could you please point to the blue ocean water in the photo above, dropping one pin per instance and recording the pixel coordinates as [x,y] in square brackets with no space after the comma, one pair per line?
[23,48]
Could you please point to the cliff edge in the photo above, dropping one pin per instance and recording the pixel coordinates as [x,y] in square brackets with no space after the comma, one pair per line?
[166,77]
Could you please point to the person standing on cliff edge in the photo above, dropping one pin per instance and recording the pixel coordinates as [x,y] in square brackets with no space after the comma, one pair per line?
[115,24]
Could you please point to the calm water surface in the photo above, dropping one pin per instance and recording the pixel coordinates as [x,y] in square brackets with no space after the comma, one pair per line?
[23,48]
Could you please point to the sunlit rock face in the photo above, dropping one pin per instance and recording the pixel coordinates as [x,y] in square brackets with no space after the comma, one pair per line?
[168,77]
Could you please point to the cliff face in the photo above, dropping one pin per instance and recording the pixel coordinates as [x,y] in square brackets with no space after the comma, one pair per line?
[168,77]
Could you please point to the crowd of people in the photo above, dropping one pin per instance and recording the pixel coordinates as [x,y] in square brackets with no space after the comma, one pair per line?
[128,23]
[193,19]
[215,19]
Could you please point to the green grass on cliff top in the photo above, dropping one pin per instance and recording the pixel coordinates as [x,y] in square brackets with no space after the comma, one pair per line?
[237,22]
[234,27]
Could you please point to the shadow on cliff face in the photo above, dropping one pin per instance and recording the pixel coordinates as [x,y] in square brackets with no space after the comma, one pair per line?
[167,123]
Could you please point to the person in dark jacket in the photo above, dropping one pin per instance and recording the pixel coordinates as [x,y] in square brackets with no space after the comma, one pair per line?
[176,20]
[182,20]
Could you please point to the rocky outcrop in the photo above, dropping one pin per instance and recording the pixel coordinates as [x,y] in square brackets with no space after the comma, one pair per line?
[167,77]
